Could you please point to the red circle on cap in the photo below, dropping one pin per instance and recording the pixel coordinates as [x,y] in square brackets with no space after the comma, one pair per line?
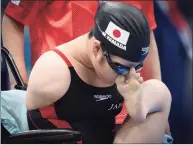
[116,33]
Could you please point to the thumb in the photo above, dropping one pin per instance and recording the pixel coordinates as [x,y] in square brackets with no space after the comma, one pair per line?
[131,74]
[120,79]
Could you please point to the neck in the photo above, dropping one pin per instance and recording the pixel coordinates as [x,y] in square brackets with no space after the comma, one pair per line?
[80,48]
[82,55]
[79,51]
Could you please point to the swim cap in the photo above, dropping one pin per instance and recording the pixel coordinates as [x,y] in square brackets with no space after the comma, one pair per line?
[123,30]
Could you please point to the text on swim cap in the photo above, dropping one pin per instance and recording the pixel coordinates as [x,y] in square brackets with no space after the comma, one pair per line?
[114,42]
[116,35]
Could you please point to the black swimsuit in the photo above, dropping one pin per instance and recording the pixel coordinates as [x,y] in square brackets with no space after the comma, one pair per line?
[85,108]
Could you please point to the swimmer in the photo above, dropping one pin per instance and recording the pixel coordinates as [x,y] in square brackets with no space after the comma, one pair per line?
[85,86]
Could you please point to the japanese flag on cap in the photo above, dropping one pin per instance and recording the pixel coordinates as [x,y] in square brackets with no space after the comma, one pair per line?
[117,33]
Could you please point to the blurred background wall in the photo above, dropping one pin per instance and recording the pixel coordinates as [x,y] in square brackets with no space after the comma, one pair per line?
[174,39]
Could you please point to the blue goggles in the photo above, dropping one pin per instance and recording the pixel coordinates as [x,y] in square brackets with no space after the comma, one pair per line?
[119,68]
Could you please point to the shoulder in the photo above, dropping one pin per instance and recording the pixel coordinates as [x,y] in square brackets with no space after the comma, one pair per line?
[49,80]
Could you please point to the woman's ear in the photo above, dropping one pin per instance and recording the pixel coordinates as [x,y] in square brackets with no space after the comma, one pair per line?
[97,51]
[96,47]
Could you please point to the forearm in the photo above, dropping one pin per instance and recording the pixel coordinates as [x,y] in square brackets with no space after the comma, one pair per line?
[151,68]
[13,40]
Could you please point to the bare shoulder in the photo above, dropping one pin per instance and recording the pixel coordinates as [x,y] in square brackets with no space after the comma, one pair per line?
[49,81]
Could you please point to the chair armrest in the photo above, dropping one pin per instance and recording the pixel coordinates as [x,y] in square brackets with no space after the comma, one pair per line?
[55,136]
[11,63]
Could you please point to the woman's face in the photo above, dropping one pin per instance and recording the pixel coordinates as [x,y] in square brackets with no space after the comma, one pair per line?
[108,67]
[118,66]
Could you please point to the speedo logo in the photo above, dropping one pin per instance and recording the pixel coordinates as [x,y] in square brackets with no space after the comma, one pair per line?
[102,97]
[145,50]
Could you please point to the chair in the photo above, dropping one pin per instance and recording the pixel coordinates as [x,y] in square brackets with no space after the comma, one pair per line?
[47,136]
[5,82]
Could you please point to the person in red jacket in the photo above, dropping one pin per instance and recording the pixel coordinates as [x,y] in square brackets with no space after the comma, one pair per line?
[52,23]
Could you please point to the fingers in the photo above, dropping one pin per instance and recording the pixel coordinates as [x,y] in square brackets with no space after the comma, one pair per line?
[120,79]
[140,80]
[130,74]
[138,75]
[133,75]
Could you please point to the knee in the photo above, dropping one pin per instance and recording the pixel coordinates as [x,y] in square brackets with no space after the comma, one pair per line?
[157,89]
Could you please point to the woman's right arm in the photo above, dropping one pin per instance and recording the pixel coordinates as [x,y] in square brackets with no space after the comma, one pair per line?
[49,81]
